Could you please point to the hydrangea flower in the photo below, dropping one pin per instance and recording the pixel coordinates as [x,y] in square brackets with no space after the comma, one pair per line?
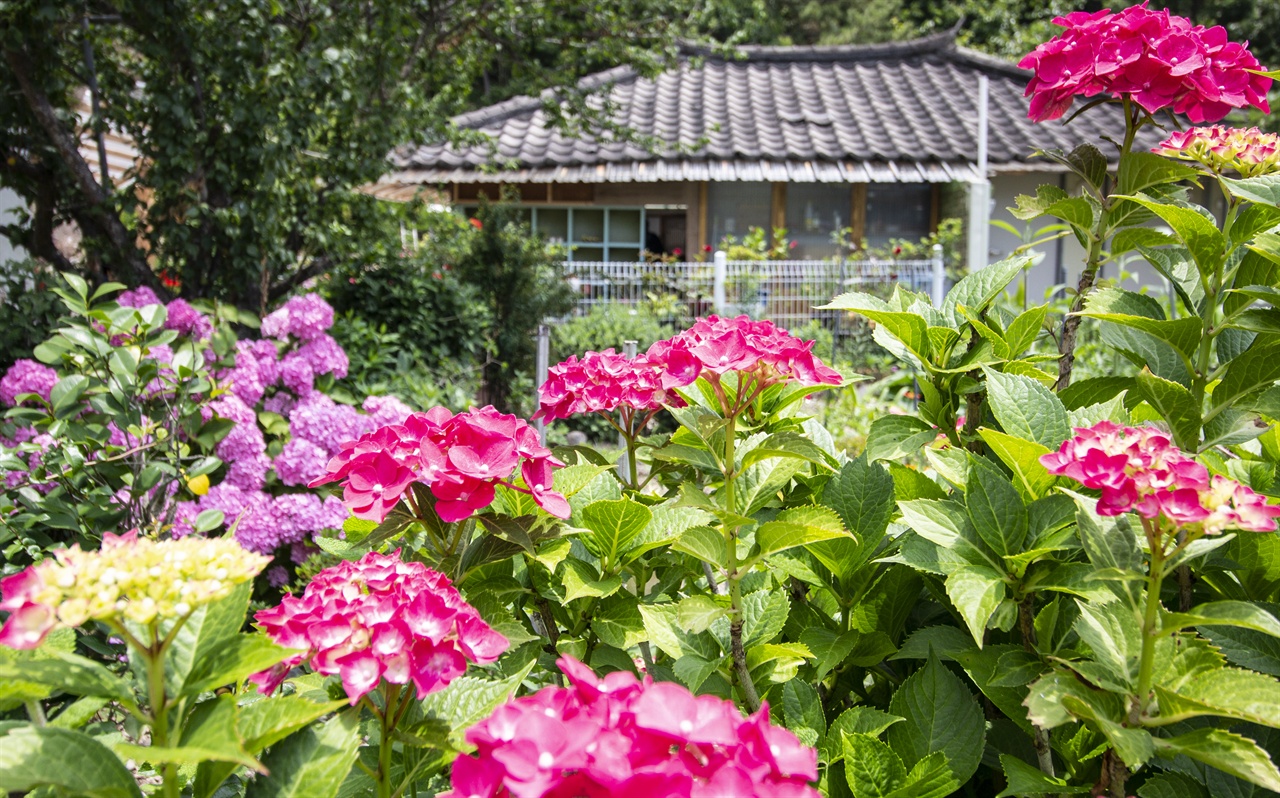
[1158,59]
[26,376]
[379,618]
[324,422]
[386,410]
[1139,469]
[1250,152]
[129,579]
[602,382]
[300,462]
[139,297]
[188,321]
[460,458]
[620,736]
[304,317]
[760,353]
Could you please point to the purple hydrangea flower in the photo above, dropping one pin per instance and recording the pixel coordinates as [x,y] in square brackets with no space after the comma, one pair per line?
[255,370]
[325,356]
[335,513]
[303,317]
[229,405]
[139,297]
[297,374]
[298,516]
[188,321]
[386,410]
[26,376]
[281,403]
[300,462]
[327,424]
[301,551]
[277,576]
[249,473]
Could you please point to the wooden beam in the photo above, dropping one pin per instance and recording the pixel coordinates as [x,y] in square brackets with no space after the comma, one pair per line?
[935,207]
[702,219]
[858,212]
[777,207]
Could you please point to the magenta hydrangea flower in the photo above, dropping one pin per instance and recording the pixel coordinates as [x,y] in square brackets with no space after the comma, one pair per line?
[604,382]
[1250,152]
[386,410]
[619,736]
[459,458]
[26,376]
[256,369]
[1158,59]
[379,619]
[139,297]
[1139,469]
[304,317]
[297,374]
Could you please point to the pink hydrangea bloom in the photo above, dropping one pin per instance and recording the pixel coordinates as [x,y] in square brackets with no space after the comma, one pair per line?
[1249,152]
[620,736]
[324,422]
[256,369]
[759,352]
[325,356]
[1139,469]
[379,619]
[297,373]
[604,382]
[304,317]
[139,297]
[1158,59]
[459,458]
[26,376]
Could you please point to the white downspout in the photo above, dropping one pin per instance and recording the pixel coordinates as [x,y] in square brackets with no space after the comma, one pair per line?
[980,191]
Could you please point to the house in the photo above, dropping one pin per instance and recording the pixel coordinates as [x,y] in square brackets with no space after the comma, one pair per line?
[882,139]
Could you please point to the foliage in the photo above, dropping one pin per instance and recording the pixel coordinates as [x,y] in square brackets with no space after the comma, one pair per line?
[258,125]
[521,282]
[28,309]
[757,244]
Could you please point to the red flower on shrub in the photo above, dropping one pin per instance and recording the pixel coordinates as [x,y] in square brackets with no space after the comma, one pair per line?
[619,736]
[379,618]
[459,458]
[602,382]
[1158,59]
[476,223]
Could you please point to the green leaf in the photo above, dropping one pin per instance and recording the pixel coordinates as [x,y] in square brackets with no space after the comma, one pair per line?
[469,699]
[1241,614]
[798,526]
[1230,753]
[233,660]
[862,493]
[662,626]
[69,673]
[1024,329]
[1022,457]
[1027,780]
[1176,405]
[1264,190]
[1113,634]
[764,613]
[1118,306]
[617,621]
[1256,369]
[1171,785]
[803,711]
[581,580]
[1202,238]
[940,522]
[697,613]
[871,767]
[1027,409]
[940,714]
[758,485]
[997,512]
[571,479]
[1246,648]
[705,543]
[614,525]
[208,628]
[908,328]
[69,762]
[787,444]
[1225,692]
[64,397]
[1140,171]
[897,437]
[312,763]
[831,648]
[977,591]
[978,289]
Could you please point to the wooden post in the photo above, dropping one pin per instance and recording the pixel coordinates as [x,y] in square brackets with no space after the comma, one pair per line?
[777,208]
[858,212]
[703,237]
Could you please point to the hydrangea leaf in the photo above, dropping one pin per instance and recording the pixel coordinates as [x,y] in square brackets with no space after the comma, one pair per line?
[940,715]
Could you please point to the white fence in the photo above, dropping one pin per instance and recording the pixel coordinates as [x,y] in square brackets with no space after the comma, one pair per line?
[784,291]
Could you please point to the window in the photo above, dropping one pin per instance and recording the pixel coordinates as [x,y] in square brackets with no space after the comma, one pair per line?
[734,208]
[589,234]
[899,210]
[814,212]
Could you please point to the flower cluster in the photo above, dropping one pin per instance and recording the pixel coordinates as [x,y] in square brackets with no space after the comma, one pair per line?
[304,317]
[618,736]
[379,618]
[602,382]
[298,328]
[460,458]
[757,350]
[1158,59]
[129,578]
[181,316]
[26,376]
[1250,152]
[1139,469]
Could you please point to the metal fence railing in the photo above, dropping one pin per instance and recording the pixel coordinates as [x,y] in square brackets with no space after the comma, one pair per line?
[783,291]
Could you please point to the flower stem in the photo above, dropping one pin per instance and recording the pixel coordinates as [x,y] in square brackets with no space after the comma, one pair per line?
[154,656]
[1150,623]
[734,577]
[387,722]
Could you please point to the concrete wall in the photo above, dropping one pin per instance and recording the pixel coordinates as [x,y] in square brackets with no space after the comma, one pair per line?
[9,204]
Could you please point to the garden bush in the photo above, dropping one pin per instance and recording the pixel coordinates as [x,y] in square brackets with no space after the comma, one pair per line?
[1030,585]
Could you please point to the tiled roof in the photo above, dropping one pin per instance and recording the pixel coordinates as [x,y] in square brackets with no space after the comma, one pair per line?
[900,112]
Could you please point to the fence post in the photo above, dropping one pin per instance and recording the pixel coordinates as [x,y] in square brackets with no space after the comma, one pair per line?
[720,276]
[939,288]
[541,365]
[624,463]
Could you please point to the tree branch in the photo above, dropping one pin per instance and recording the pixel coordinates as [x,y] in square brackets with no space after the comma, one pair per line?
[317,267]
[95,196]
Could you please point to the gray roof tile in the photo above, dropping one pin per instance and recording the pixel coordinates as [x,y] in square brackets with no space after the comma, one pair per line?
[857,113]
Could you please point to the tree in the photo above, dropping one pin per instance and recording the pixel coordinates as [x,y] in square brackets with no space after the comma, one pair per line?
[258,123]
